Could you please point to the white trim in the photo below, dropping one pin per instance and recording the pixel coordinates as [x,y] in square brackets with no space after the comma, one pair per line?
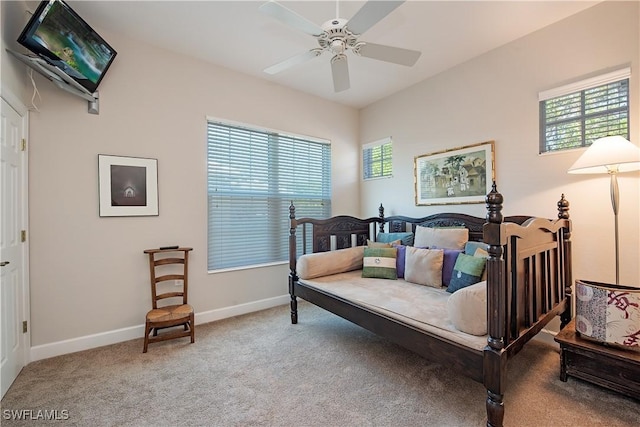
[247,267]
[382,141]
[237,310]
[16,103]
[260,128]
[377,177]
[603,79]
[563,151]
[7,94]
[72,345]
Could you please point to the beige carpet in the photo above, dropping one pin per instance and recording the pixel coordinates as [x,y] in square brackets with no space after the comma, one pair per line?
[259,370]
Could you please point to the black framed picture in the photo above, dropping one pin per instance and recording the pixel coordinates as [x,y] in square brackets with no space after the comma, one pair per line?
[128,186]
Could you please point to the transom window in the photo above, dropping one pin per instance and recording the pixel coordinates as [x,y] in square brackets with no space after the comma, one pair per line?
[253,175]
[377,159]
[575,115]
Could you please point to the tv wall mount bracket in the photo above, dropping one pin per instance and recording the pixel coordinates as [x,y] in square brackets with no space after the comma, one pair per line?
[60,79]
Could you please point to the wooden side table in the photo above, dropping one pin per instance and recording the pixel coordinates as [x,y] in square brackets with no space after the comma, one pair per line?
[606,366]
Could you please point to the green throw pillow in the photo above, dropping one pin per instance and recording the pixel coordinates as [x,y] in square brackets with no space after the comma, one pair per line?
[467,271]
[372,244]
[471,247]
[379,263]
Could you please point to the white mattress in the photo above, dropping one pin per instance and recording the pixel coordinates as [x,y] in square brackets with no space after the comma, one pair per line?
[420,306]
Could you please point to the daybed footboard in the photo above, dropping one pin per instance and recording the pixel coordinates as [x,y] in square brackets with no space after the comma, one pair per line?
[528,283]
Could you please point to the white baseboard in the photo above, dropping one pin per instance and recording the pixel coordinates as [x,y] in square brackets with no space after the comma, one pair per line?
[46,351]
[237,310]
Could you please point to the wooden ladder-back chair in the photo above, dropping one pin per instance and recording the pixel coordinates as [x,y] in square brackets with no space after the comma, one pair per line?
[169,265]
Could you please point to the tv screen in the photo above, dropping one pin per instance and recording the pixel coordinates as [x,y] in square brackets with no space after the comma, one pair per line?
[57,34]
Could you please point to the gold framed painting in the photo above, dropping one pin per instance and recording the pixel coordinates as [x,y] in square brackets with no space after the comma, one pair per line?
[455,176]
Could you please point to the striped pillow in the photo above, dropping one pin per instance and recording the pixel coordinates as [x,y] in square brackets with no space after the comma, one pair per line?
[379,263]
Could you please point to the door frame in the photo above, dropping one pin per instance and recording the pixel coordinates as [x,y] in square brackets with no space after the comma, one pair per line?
[9,97]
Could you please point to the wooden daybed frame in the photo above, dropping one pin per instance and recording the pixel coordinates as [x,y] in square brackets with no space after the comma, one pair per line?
[529,281]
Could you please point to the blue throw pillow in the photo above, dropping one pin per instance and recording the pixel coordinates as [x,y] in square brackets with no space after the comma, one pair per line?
[466,272]
[406,238]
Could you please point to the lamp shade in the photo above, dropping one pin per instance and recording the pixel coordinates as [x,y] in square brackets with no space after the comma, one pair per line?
[608,153]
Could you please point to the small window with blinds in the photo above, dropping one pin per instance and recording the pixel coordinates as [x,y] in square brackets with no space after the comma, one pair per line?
[377,159]
[575,115]
[253,175]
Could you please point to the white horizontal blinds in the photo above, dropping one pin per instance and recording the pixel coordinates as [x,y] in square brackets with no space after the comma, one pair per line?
[377,159]
[253,176]
[576,119]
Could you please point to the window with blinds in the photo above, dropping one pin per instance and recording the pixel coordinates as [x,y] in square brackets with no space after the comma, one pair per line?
[575,115]
[253,175]
[377,159]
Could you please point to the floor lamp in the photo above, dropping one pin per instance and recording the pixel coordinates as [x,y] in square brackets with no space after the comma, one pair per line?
[612,155]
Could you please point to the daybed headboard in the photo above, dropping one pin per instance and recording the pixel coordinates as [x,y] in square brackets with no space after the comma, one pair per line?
[322,235]
[474,224]
[343,231]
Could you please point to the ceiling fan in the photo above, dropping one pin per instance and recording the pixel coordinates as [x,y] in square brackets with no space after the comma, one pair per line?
[337,36]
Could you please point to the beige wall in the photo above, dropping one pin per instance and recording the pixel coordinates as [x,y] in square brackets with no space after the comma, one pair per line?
[89,274]
[494,97]
[13,16]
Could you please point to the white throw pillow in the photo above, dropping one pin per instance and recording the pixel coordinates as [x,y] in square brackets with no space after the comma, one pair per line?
[442,238]
[320,264]
[467,309]
[423,266]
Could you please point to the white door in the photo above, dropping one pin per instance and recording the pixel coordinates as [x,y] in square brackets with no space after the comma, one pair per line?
[13,253]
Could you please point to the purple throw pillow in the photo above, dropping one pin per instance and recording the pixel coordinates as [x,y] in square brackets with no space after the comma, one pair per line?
[450,257]
[400,257]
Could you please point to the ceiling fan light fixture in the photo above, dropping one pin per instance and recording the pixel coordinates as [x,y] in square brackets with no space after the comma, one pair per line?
[337,46]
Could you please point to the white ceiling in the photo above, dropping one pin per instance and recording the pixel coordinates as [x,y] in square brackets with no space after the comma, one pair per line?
[236,35]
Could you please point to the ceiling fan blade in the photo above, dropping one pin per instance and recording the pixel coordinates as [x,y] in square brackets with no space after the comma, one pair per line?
[294,60]
[340,73]
[396,55]
[291,18]
[372,12]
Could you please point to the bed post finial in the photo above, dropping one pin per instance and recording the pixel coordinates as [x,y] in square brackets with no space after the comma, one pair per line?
[494,353]
[293,277]
[563,208]
[563,214]
[381,216]
[494,205]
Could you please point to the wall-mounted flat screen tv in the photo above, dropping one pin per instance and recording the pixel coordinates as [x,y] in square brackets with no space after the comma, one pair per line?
[57,34]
